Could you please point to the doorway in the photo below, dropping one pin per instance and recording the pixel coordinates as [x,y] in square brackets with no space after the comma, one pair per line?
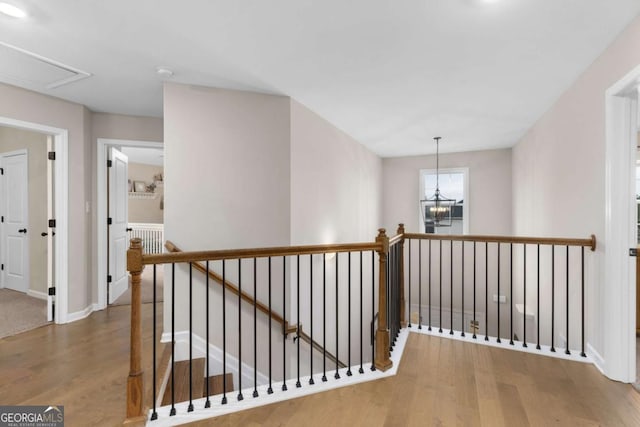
[111,255]
[27,244]
[618,277]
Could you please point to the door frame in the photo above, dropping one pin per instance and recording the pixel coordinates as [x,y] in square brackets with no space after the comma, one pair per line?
[101,206]
[61,194]
[617,290]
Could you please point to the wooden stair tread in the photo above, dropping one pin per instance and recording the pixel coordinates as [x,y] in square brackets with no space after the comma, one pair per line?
[216,384]
[181,378]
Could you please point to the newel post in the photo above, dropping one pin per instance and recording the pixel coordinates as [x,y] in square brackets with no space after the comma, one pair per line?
[382,360]
[135,381]
[403,319]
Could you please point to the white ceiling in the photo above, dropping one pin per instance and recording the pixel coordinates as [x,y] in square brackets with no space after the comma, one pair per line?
[391,73]
[145,156]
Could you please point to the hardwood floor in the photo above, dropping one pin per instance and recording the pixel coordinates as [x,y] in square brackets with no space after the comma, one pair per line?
[84,365]
[442,382]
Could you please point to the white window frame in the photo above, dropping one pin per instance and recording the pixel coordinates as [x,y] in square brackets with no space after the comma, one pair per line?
[465,206]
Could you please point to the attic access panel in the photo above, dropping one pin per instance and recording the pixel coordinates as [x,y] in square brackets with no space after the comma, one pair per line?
[27,69]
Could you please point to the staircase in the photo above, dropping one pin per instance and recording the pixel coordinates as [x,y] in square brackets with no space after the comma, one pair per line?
[198,382]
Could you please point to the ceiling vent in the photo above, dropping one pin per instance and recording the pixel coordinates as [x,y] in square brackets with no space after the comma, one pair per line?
[27,69]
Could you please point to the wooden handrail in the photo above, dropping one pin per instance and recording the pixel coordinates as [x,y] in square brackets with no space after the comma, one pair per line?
[396,239]
[194,256]
[590,243]
[306,338]
[234,289]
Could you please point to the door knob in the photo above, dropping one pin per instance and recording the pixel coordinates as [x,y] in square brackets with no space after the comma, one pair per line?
[129,229]
[44,234]
[22,230]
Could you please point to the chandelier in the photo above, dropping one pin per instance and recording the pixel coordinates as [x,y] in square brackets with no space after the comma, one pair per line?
[436,210]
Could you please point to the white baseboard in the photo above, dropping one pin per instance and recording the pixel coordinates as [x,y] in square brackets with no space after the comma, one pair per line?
[79,315]
[37,294]
[596,358]
[215,357]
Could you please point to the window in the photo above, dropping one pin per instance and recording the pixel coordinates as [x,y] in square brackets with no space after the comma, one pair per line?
[454,184]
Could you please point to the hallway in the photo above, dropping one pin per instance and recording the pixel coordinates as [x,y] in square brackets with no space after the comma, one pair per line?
[84,366]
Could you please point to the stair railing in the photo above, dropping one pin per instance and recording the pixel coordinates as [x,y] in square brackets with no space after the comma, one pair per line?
[488,277]
[339,318]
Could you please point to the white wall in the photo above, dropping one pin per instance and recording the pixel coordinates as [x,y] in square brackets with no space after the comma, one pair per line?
[489,189]
[559,169]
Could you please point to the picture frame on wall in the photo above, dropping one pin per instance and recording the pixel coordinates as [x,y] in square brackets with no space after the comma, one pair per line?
[140,187]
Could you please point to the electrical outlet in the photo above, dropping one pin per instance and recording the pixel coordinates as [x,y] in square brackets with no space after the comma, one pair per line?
[502,299]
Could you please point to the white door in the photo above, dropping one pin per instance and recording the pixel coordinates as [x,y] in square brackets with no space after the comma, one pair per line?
[16,220]
[118,214]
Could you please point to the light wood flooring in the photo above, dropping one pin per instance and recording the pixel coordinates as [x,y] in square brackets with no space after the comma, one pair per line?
[81,365]
[442,382]
[84,365]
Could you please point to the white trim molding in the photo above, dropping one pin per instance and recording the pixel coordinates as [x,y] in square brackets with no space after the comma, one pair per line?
[616,289]
[79,315]
[37,294]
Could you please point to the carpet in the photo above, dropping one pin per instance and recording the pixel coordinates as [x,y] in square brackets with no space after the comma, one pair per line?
[20,313]
[146,287]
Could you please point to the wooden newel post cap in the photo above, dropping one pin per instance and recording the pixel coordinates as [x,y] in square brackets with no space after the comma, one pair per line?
[382,238]
[134,256]
[400,228]
[135,243]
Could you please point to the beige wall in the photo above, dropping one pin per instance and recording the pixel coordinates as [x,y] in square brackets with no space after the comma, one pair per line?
[336,194]
[116,126]
[12,139]
[226,174]
[559,168]
[489,189]
[336,183]
[146,210]
[226,168]
[21,104]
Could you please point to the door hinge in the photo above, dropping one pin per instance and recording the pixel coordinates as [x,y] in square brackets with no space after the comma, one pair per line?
[109,163]
[51,155]
[109,221]
[2,219]
[109,279]
[52,291]
[2,267]
[1,171]
[52,223]
[633,251]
